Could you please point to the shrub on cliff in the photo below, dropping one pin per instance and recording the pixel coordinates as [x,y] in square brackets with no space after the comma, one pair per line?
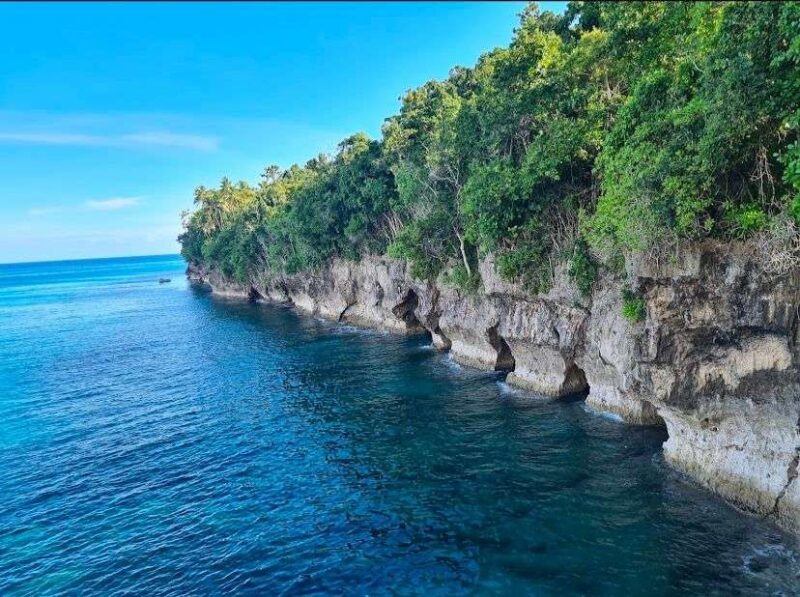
[634,308]
[583,268]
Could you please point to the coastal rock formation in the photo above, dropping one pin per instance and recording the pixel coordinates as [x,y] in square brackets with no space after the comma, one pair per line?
[716,359]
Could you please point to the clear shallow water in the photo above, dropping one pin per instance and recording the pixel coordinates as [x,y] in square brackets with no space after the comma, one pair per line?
[156,441]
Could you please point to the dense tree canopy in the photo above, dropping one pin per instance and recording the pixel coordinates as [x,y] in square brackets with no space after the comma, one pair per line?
[611,129]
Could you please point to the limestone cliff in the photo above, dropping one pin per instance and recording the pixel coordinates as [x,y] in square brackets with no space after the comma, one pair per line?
[717,358]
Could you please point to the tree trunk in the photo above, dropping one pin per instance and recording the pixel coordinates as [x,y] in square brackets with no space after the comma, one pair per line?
[464,253]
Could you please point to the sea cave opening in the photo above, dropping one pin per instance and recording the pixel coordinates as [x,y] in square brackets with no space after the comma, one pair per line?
[405,310]
[575,384]
[504,361]
[254,295]
[650,416]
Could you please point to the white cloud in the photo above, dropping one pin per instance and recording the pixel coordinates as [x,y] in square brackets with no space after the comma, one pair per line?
[129,140]
[167,139]
[112,203]
[43,211]
[51,138]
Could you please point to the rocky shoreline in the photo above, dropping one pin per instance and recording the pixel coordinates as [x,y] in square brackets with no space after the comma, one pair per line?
[716,359]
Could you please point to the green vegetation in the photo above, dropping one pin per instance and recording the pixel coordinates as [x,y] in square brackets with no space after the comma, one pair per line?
[634,307]
[614,128]
[583,268]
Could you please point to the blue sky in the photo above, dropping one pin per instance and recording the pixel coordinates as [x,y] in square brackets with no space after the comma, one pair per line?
[111,114]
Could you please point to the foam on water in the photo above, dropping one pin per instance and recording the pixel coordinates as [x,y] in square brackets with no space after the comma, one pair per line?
[600,413]
[773,566]
[453,364]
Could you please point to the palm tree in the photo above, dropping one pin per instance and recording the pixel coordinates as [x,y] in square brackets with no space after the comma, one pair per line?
[211,209]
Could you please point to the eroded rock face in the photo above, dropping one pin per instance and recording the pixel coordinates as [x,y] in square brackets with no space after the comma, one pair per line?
[218,283]
[719,358]
[716,359]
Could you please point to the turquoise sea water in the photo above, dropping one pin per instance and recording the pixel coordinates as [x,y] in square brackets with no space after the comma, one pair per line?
[154,440]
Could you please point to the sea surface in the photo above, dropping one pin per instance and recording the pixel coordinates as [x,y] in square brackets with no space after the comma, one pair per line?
[157,441]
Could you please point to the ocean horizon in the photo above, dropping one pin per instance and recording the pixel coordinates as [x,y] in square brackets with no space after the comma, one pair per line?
[45,261]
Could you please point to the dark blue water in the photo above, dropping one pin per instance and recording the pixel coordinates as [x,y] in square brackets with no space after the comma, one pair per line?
[154,440]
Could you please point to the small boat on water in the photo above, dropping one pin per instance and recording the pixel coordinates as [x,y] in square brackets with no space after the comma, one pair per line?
[164,280]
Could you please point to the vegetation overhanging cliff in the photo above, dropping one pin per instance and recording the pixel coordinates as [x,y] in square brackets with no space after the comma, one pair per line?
[611,203]
[615,127]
